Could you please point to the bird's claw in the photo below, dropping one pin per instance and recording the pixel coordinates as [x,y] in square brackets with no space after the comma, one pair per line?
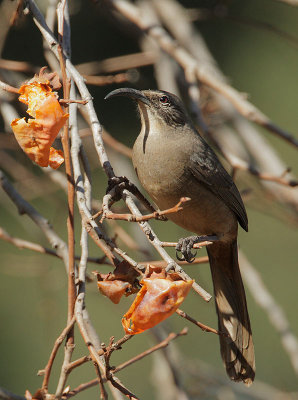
[184,246]
[117,184]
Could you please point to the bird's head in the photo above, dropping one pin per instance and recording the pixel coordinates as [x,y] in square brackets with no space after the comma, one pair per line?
[156,105]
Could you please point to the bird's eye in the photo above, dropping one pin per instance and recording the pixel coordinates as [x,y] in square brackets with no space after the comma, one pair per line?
[164,100]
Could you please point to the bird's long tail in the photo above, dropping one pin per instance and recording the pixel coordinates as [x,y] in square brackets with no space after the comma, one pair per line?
[237,350]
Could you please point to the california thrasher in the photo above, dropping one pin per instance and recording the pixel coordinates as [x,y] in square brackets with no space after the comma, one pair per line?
[172,160]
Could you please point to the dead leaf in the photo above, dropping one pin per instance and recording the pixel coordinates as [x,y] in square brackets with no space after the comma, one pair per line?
[160,296]
[37,134]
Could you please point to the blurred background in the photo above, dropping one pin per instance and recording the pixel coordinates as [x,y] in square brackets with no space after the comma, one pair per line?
[255,45]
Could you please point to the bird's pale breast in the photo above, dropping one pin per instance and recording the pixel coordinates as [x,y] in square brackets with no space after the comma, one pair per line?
[167,181]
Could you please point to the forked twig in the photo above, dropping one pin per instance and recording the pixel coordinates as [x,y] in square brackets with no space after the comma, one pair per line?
[25,244]
[108,214]
[161,345]
[120,367]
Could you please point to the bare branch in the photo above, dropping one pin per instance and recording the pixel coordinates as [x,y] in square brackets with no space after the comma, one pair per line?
[25,208]
[25,244]
[107,79]
[161,345]
[134,218]
[8,88]
[22,66]
[7,395]
[197,260]
[117,63]
[238,164]
[204,327]
[93,382]
[58,342]
[204,241]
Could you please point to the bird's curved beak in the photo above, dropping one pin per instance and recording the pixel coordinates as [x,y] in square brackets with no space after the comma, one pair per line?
[129,92]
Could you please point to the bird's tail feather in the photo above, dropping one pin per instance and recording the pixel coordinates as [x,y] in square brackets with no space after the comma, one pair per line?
[237,350]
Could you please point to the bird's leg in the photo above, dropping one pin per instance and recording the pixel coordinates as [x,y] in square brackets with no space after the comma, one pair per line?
[185,245]
[117,184]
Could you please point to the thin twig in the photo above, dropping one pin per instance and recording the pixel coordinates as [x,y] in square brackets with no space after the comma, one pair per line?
[107,79]
[64,45]
[134,218]
[8,88]
[7,395]
[116,383]
[83,194]
[103,393]
[25,208]
[161,345]
[21,66]
[115,346]
[204,241]
[70,101]
[80,361]
[204,327]
[162,263]
[242,165]
[114,64]
[25,244]
[89,343]
[120,367]
[58,342]
[70,197]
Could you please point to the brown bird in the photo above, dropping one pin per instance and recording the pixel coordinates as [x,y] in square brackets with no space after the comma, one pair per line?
[172,160]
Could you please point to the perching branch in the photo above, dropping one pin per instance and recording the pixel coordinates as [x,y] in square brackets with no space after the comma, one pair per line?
[108,214]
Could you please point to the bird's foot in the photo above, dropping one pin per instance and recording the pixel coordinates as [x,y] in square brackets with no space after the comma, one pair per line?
[116,185]
[185,245]
[115,188]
